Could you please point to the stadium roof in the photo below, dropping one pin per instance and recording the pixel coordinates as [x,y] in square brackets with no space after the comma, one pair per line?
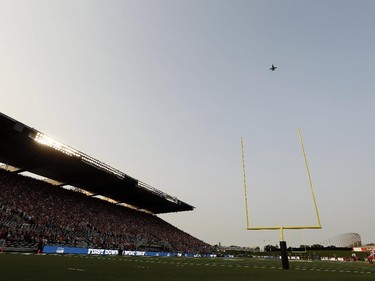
[30,150]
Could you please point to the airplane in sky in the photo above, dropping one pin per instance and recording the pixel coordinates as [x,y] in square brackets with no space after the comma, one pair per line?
[273,68]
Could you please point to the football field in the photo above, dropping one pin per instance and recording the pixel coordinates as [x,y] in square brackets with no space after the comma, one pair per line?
[78,267]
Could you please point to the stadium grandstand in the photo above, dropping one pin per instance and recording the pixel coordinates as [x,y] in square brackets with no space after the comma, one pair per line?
[344,240]
[62,204]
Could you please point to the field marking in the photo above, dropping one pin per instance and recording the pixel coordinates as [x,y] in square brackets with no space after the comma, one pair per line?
[76,269]
[221,263]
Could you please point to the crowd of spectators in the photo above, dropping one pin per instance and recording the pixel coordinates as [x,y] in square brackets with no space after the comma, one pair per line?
[32,211]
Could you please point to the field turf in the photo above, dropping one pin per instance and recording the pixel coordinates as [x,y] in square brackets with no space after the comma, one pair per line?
[76,267]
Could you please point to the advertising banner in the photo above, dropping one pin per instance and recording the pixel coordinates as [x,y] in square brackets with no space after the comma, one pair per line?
[73,250]
[63,250]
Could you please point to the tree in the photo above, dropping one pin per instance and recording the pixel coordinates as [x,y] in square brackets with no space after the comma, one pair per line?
[317,246]
[271,248]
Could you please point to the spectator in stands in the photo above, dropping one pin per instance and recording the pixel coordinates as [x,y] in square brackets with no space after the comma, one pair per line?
[31,210]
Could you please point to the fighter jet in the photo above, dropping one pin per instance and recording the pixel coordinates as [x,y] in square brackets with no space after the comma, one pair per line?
[273,68]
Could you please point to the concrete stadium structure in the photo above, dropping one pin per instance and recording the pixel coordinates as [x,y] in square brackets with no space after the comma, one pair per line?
[344,240]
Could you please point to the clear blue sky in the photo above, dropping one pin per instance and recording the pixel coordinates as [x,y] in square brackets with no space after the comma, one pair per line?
[164,90]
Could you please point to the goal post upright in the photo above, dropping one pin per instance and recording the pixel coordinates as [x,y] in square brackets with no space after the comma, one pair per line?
[309,176]
[244,184]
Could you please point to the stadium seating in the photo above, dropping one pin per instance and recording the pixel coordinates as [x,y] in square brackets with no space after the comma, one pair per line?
[33,211]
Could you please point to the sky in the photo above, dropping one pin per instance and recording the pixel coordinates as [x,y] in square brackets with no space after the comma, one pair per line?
[164,90]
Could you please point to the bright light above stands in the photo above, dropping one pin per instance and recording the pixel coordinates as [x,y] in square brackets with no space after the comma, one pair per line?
[127,206]
[7,167]
[76,189]
[46,140]
[135,208]
[32,175]
[145,211]
[101,197]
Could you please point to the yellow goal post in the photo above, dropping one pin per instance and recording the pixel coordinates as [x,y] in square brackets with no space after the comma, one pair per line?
[281,228]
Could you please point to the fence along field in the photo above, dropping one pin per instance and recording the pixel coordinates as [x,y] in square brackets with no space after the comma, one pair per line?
[80,267]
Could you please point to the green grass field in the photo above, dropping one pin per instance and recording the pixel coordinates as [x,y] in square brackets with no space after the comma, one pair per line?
[76,267]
